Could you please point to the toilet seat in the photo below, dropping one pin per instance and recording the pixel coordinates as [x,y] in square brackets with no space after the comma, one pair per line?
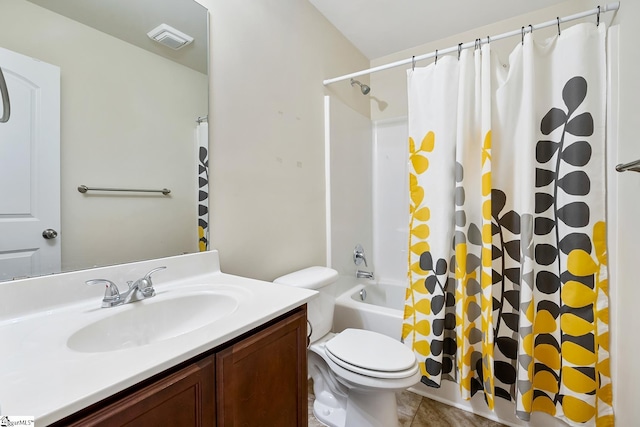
[371,354]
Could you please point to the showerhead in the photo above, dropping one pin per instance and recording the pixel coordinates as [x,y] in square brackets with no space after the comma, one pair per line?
[363,88]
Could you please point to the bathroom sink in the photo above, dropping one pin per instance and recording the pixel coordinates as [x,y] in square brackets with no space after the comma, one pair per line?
[150,321]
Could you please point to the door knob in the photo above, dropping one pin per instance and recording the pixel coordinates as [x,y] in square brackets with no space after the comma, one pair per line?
[49,233]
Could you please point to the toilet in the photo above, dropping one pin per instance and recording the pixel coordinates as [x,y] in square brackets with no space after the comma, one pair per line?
[356,373]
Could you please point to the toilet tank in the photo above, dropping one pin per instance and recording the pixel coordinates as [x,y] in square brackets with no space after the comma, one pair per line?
[319,309]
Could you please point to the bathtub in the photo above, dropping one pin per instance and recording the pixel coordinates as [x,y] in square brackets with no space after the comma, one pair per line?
[371,306]
[382,310]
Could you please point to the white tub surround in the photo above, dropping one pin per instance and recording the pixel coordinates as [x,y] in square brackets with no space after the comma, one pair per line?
[41,376]
[381,310]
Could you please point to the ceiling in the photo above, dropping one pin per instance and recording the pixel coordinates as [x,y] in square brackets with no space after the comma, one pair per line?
[376,27]
[382,27]
[130,20]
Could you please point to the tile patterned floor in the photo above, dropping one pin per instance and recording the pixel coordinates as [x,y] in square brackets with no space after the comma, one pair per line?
[418,411]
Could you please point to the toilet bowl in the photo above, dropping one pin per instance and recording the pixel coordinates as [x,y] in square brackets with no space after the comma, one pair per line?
[356,373]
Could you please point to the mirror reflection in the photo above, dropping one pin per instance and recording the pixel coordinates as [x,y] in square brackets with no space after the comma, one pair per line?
[102,105]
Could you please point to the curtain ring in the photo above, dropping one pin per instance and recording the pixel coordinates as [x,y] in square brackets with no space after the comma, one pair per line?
[436,61]
[488,40]
[522,32]
[598,17]
[413,63]
[459,50]
[531,28]
[558,19]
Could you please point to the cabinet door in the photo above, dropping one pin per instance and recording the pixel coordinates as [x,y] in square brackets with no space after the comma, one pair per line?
[184,398]
[262,380]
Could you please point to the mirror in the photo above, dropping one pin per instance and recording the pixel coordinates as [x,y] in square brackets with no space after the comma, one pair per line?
[129,108]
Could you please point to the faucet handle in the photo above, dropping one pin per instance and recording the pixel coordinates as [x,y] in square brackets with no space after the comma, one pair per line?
[148,275]
[111,292]
[358,255]
[145,285]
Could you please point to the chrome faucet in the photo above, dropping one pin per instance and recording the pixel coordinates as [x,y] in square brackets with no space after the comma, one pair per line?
[361,274]
[138,290]
[359,258]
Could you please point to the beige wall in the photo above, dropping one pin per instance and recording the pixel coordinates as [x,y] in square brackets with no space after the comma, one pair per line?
[268,60]
[127,120]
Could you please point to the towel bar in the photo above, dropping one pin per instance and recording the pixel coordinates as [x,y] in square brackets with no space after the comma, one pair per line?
[84,189]
[632,166]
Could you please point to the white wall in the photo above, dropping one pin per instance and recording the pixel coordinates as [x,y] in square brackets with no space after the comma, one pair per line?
[624,290]
[268,60]
[350,188]
[144,139]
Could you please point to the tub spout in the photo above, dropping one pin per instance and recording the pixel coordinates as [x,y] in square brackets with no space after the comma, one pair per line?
[361,274]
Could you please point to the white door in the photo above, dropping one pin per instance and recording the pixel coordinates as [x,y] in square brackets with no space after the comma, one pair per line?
[29,167]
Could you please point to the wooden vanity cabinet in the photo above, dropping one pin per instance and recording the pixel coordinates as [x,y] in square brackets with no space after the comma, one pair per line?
[181,399]
[262,380]
[257,379]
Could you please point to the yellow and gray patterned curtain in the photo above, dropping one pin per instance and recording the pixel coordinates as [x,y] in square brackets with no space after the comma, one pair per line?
[508,292]
[202,138]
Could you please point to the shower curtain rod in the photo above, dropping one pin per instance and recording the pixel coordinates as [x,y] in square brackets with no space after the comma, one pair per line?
[596,11]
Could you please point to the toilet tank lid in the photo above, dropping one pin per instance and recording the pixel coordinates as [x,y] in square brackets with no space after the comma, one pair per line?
[309,278]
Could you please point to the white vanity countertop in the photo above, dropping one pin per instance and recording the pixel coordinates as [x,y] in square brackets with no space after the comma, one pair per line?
[41,376]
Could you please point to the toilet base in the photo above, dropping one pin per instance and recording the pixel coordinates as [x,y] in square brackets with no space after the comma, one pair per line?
[329,415]
[347,399]
[377,409]
[363,410]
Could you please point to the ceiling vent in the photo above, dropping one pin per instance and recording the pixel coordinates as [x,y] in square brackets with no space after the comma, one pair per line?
[169,36]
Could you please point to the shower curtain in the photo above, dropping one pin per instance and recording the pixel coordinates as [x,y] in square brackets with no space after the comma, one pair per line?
[202,139]
[507,249]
